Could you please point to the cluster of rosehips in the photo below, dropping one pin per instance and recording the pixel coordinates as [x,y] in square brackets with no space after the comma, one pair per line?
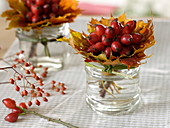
[41,9]
[59,87]
[33,83]
[16,110]
[116,39]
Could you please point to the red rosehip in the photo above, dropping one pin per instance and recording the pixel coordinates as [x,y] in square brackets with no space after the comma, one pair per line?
[131,24]
[36,18]
[99,29]
[103,37]
[55,7]
[40,2]
[47,94]
[45,99]
[108,52]
[29,16]
[11,81]
[93,50]
[17,110]
[126,30]
[126,39]
[12,117]
[36,9]
[37,102]
[116,26]
[23,105]
[109,32]
[136,38]
[29,3]
[116,46]
[99,46]
[17,88]
[107,42]
[93,38]
[9,103]
[46,8]
[125,50]
[29,103]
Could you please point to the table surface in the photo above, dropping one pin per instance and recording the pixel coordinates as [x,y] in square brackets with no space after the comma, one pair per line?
[153,111]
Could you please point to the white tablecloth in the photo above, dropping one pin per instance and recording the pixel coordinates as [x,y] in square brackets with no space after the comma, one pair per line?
[153,112]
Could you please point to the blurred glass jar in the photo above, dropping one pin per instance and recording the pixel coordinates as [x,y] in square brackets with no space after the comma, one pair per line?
[41,48]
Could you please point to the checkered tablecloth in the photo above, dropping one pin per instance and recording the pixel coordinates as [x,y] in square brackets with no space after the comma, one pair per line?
[153,111]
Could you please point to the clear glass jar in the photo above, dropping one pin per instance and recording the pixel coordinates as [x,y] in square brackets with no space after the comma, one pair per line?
[41,48]
[112,93]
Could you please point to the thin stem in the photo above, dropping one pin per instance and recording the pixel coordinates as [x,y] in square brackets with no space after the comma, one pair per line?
[47,51]
[5,68]
[4,82]
[53,120]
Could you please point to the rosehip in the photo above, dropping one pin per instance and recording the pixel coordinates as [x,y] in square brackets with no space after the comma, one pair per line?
[136,38]
[11,81]
[126,39]
[17,110]
[116,26]
[107,42]
[36,18]
[93,50]
[47,94]
[40,2]
[103,37]
[99,46]
[55,7]
[46,8]
[29,3]
[108,52]
[23,105]
[29,16]
[126,30]
[12,117]
[116,46]
[36,9]
[131,24]
[45,99]
[93,38]
[29,103]
[17,88]
[9,103]
[125,50]
[109,32]
[99,29]
[37,102]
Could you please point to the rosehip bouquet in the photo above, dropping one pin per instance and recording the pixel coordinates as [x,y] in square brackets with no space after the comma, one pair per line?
[115,43]
[34,14]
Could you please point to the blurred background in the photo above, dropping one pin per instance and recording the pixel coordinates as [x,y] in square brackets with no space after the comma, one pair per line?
[135,8]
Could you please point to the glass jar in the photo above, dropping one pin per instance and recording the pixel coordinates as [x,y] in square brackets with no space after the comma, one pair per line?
[41,48]
[112,93]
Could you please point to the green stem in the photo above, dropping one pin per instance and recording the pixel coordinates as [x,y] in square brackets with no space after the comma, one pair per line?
[113,72]
[46,50]
[53,120]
